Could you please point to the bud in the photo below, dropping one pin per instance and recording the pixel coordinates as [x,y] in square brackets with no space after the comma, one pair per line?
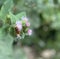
[8,20]
[27,24]
[19,25]
[29,32]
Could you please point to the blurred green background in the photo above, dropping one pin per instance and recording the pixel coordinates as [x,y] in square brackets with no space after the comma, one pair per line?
[44,16]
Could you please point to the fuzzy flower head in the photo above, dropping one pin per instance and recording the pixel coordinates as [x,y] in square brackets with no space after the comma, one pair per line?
[25,21]
[27,24]
[19,25]
[29,32]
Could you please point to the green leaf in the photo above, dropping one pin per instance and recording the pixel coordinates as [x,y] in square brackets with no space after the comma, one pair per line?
[56,22]
[12,31]
[20,15]
[13,18]
[6,7]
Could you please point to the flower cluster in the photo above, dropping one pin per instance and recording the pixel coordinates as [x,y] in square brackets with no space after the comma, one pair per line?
[22,27]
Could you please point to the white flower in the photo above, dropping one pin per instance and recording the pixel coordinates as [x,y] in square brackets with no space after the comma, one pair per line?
[29,32]
[19,25]
[18,35]
[25,18]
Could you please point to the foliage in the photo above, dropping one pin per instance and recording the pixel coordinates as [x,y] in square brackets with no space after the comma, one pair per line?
[44,16]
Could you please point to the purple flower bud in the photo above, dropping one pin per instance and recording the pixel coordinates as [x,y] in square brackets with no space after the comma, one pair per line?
[19,25]
[27,24]
[29,32]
